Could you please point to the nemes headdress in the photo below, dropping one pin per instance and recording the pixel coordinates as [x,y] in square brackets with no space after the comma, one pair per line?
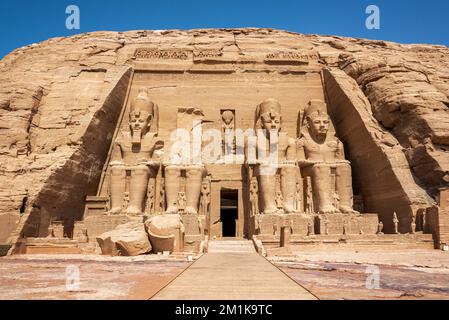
[268,106]
[315,107]
[143,103]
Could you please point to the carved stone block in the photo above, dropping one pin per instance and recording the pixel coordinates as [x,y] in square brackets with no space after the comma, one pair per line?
[99,224]
[348,224]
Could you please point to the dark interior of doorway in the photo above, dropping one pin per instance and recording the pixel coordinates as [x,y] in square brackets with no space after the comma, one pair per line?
[229,212]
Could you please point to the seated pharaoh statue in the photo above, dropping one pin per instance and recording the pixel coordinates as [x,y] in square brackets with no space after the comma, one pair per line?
[270,137]
[189,121]
[135,153]
[321,157]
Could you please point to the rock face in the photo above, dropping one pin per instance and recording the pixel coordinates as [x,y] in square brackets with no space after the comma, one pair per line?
[58,97]
[126,240]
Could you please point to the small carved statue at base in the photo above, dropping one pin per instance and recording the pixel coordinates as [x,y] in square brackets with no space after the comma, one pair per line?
[205,196]
[279,200]
[326,227]
[310,231]
[275,229]
[413,225]
[309,196]
[380,228]
[51,232]
[181,201]
[150,199]
[345,227]
[254,197]
[162,197]
[396,223]
[298,200]
[125,200]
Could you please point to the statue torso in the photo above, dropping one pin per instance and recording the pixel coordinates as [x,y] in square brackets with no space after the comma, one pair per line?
[320,152]
[136,154]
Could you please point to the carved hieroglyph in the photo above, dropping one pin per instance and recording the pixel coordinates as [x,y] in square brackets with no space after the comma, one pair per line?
[322,159]
[137,153]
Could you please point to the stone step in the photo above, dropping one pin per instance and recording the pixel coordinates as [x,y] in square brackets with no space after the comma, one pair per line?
[233,276]
[221,246]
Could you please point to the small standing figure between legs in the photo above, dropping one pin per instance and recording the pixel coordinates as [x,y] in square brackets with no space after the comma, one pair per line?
[396,223]
[380,228]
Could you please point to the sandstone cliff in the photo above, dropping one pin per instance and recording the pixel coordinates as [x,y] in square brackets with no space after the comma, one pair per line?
[58,97]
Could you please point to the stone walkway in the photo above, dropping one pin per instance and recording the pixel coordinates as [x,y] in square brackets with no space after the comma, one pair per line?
[232,270]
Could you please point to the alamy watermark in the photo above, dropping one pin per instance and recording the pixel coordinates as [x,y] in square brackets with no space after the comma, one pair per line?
[372,22]
[373,278]
[72,278]
[73,21]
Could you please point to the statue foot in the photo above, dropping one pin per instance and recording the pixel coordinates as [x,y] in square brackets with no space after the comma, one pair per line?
[328,209]
[116,210]
[190,210]
[347,209]
[172,210]
[133,211]
[289,209]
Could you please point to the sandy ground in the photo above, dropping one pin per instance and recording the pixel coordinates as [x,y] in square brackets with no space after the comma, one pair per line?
[55,276]
[328,274]
[350,274]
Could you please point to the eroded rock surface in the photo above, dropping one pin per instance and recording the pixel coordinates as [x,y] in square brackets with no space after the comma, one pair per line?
[128,239]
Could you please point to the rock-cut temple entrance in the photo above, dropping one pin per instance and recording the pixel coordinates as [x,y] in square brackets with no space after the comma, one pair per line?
[229,213]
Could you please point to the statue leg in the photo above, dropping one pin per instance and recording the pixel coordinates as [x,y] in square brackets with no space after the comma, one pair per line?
[321,180]
[193,190]
[172,176]
[344,187]
[117,188]
[267,189]
[288,187]
[138,189]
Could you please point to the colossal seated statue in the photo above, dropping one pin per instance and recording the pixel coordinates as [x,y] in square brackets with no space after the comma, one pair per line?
[271,138]
[321,157]
[137,153]
[183,161]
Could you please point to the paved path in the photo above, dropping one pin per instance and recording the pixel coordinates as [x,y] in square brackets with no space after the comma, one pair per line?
[232,270]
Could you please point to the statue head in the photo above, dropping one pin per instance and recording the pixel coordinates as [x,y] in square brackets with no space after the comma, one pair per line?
[205,185]
[269,115]
[316,119]
[254,185]
[228,117]
[141,114]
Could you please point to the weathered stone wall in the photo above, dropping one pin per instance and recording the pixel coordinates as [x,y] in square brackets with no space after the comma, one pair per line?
[58,95]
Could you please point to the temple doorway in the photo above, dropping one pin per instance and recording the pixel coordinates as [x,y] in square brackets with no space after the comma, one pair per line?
[229,213]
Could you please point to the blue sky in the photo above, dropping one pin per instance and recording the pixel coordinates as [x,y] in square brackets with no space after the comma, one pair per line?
[29,21]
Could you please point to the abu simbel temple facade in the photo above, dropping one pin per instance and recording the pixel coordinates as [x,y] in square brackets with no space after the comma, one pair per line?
[146,142]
